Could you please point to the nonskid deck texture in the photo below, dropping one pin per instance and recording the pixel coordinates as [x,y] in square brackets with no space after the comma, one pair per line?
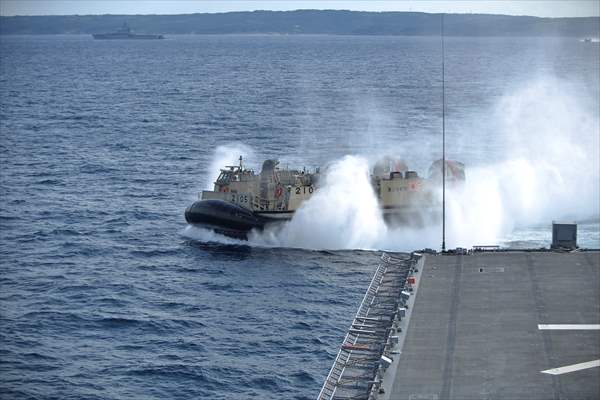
[368,346]
[514,325]
[506,325]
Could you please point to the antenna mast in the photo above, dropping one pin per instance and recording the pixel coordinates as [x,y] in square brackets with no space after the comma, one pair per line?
[443,145]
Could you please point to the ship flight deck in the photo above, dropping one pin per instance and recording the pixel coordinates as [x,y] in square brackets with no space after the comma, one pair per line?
[491,325]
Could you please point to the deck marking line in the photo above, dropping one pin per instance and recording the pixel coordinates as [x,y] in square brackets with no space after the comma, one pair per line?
[569,327]
[571,368]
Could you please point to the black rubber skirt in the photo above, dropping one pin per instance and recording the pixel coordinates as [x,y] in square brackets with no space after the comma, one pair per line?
[223,217]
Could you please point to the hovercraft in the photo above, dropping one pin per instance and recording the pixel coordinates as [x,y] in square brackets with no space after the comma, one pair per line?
[243,200]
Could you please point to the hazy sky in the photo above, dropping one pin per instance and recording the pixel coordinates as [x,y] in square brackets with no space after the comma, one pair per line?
[542,8]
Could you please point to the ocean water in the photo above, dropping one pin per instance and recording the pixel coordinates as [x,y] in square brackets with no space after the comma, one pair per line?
[104,292]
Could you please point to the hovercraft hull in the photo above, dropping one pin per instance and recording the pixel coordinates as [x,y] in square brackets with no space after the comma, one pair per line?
[224,218]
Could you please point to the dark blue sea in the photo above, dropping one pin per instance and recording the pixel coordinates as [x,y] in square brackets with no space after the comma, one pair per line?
[106,294]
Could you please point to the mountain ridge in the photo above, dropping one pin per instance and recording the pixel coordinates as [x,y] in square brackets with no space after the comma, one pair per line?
[336,22]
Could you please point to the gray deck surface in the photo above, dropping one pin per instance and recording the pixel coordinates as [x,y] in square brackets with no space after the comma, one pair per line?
[474,335]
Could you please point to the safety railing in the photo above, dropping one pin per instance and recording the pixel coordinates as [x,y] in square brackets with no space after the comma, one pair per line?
[365,351]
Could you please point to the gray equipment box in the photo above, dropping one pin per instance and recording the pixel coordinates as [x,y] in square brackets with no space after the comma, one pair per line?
[564,236]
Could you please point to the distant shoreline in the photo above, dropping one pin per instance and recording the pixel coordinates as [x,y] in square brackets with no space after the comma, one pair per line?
[308,22]
[168,35]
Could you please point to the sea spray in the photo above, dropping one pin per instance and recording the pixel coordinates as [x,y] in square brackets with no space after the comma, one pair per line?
[549,170]
[543,165]
[207,236]
[343,214]
[551,126]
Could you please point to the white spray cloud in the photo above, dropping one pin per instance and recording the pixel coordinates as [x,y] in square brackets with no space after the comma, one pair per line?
[555,129]
[549,135]
[550,169]
[207,236]
[342,214]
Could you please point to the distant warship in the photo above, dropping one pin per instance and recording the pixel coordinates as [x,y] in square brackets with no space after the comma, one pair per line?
[125,33]
[243,200]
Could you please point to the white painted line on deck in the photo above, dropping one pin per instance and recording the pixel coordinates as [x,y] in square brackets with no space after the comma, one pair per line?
[573,327]
[571,368]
